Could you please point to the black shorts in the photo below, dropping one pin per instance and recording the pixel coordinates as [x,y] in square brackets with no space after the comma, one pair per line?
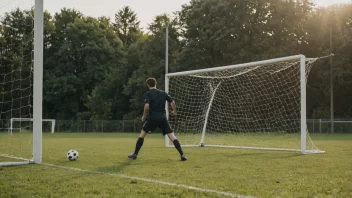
[151,124]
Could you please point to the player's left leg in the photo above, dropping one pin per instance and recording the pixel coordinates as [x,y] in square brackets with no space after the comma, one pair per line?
[148,126]
[139,145]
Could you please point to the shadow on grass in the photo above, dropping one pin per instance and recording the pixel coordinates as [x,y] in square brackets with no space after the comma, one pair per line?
[116,168]
[105,169]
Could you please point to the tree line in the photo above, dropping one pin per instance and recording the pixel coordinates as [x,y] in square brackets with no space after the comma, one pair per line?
[95,68]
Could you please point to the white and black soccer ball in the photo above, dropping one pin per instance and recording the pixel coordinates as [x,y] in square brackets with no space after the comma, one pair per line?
[72,155]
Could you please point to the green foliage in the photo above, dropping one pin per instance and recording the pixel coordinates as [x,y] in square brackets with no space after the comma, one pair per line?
[127,26]
[150,54]
[234,31]
[88,52]
[96,69]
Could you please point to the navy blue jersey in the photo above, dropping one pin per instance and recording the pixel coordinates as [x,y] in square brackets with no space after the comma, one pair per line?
[156,100]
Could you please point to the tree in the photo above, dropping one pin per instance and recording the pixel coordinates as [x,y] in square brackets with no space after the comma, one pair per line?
[85,56]
[127,26]
[151,62]
[337,19]
[233,31]
[95,69]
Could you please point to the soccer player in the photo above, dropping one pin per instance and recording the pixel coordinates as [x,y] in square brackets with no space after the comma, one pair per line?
[155,116]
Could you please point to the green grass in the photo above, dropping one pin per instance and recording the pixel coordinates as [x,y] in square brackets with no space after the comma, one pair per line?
[238,171]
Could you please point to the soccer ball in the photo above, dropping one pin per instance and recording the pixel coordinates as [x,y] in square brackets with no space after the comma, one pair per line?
[72,155]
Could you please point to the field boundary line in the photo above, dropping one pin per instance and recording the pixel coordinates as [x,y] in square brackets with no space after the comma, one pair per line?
[153,181]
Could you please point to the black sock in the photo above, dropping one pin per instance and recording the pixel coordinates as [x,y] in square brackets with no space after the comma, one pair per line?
[178,146]
[139,145]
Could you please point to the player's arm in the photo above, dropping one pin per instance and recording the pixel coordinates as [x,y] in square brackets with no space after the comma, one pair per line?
[146,109]
[172,103]
[146,106]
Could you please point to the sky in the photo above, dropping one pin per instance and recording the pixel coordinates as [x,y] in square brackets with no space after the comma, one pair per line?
[329,2]
[146,9]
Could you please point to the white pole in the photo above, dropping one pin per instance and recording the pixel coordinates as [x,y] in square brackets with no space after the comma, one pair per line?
[303,105]
[53,126]
[167,50]
[207,115]
[167,143]
[38,81]
[331,87]
[11,126]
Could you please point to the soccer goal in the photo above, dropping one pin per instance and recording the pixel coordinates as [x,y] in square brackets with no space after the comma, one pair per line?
[16,123]
[257,105]
[21,85]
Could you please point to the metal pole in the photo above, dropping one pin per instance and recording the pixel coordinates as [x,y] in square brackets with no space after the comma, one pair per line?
[303,105]
[38,81]
[167,50]
[331,87]
[166,78]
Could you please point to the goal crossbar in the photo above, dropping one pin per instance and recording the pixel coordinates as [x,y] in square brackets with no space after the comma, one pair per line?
[255,63]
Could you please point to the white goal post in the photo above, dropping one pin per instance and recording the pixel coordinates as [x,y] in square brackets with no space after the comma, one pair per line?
[256,105]
[35,147]
[13,120]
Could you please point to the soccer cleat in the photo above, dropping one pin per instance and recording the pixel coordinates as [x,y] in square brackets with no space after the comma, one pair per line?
[183,157]
[132,156]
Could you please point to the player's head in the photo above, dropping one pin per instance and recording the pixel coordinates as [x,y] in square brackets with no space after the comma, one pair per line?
[151,82]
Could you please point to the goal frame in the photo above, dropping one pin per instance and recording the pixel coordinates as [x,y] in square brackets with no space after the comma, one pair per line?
[303,128]
[53,122]
[37,89]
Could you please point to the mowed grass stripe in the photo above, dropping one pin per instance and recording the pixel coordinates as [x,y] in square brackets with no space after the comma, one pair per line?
[152,181]
[236,171]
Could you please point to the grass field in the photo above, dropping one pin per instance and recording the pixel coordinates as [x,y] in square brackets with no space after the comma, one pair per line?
[236,171]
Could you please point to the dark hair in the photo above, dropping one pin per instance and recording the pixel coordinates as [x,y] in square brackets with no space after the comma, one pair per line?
[151,82]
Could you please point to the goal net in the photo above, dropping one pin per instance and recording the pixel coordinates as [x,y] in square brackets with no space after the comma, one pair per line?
[20,85]
[258,105]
